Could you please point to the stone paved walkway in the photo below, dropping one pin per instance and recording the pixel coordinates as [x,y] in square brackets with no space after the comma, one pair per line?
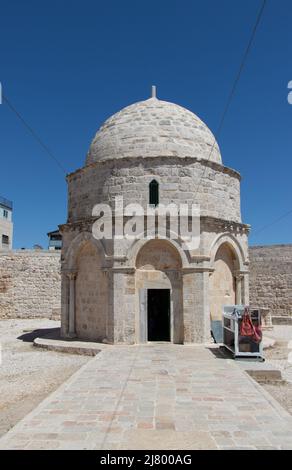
[155,396]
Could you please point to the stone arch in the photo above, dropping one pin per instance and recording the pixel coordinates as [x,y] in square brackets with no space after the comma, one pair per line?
[158,254]
[76,245]
[235,246]
[138,245]
[158,266]
[223,286]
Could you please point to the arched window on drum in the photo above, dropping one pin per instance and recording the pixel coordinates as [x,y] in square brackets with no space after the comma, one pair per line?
[154,193]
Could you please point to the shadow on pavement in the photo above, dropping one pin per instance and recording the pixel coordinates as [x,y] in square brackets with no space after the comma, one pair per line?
[29,337]
[221,353]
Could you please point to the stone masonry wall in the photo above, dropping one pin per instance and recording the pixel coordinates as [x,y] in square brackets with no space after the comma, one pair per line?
[30,284]
[214,187]
[271,278]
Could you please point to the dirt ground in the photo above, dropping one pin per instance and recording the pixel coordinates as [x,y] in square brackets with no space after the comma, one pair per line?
[29,374]
[278,356]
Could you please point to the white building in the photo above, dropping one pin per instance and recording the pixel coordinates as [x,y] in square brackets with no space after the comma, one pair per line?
[6,224]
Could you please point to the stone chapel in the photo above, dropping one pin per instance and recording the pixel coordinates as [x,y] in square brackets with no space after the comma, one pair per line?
[134,291]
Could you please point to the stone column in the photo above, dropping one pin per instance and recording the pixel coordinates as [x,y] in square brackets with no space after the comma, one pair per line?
[206,308]
[64,305]
[245,290]
[72,279]
[108,311]
[176,280]
[238,293]
[196,306]
[123,304]
[189,299]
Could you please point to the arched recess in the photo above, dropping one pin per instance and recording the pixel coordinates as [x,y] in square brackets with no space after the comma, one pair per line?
[138,244]
[223,280]
[91,294]
[76,245]
[158,266]
[232,242]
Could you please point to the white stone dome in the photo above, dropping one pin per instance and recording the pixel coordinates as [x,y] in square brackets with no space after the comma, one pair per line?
[153,128]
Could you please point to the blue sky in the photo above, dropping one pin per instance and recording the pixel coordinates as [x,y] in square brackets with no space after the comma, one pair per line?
[68,65]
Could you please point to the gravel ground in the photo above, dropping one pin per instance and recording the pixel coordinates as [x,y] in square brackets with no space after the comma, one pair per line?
[28,374]
[278,357]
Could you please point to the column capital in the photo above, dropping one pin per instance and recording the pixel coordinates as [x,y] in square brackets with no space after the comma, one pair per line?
[240,274]
[71,275]
[239,277]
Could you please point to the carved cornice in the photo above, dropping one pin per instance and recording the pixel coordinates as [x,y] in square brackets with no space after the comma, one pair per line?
[223,225]
[207,222]
[155,161]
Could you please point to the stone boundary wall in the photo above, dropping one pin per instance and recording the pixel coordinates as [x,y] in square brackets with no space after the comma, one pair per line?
[30,284]
[30,281]
[271,278]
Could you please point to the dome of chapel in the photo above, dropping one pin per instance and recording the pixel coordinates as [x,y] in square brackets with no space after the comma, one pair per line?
[153,128]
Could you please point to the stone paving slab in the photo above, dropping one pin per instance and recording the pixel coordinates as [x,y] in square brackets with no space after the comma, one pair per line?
[155,396]
[71,347]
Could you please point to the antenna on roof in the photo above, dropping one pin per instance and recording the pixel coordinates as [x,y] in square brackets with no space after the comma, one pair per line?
[153,91]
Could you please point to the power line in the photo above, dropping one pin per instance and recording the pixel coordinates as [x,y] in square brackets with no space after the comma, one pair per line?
[34,134]
[283,216]
[232,92]
[229,100]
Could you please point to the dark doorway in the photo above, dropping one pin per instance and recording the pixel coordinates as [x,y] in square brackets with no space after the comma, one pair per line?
[158,314]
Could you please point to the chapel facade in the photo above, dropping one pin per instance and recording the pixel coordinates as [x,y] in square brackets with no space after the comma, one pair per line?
[152,288]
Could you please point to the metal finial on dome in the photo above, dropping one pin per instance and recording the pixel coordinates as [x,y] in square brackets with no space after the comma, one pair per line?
[153,91]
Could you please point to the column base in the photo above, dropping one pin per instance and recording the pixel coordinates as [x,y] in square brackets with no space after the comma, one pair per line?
[71,335]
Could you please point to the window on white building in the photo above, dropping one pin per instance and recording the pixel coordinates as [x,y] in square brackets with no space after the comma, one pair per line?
[5,240]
